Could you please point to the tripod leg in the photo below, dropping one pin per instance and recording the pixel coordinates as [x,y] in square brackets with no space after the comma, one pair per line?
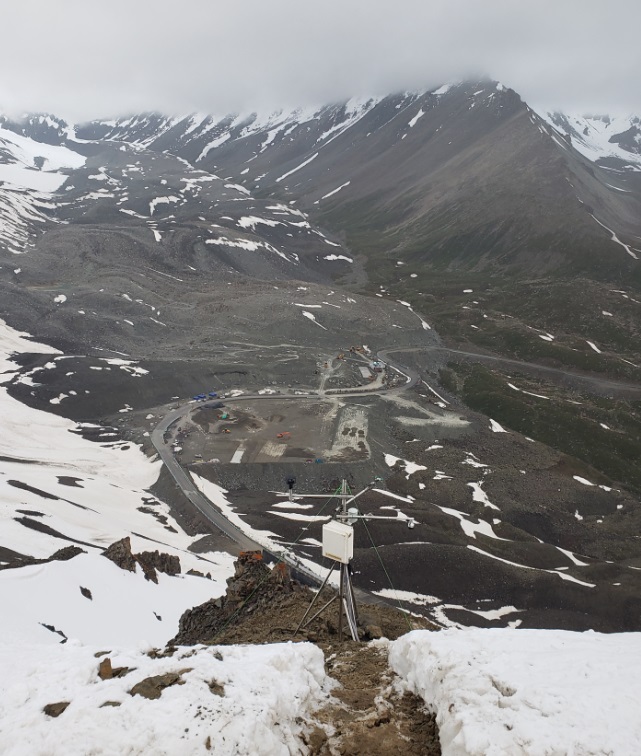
[350,608]
[322,609]
[309,608]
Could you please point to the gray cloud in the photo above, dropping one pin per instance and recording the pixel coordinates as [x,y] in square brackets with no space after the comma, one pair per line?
[84,60]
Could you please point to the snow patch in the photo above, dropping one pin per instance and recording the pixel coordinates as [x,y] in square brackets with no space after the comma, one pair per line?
[298,167]
[409,467]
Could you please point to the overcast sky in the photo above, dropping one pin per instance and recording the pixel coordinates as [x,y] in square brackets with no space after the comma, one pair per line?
[83,59]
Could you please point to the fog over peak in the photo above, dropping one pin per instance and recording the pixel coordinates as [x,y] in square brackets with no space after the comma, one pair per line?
[85,60]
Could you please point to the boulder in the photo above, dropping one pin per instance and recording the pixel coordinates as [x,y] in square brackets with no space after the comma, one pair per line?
[150,561]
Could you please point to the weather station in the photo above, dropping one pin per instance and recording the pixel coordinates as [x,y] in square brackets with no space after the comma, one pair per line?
[338,546]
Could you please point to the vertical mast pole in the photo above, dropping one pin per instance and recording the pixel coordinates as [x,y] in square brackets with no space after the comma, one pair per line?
[343,569]
[340,603]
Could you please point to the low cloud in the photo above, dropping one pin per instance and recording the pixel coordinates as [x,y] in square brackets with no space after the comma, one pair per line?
[85,60]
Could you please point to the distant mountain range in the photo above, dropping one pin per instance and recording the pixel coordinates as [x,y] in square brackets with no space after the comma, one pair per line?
[464,177]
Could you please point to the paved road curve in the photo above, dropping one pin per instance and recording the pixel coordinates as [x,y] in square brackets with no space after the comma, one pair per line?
[188,487]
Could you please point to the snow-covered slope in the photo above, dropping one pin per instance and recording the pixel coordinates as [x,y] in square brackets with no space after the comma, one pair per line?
[526,692]
[35,165]
[91,600]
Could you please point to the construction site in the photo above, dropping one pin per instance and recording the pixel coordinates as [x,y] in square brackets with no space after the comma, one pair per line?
[285,424]
[271,430]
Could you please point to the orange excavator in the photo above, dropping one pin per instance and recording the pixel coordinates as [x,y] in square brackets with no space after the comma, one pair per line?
[284,434]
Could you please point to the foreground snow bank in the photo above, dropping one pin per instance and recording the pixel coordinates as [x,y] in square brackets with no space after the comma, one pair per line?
[534,692]
[229,700]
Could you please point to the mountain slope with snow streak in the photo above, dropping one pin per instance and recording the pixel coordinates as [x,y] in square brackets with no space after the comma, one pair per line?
[466,175]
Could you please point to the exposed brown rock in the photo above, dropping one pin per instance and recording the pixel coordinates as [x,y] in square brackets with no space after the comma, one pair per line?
[152,687]
[150,561]
[110,703]
[56,709]
[263,605]
[105,670]
[217,688]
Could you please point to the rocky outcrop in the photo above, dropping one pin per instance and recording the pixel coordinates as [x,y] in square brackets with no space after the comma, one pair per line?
[121,555]
[151,562]
[107,672]
[253,586]
[66,553]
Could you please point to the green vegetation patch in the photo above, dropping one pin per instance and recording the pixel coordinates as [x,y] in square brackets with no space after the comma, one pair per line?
[574,429]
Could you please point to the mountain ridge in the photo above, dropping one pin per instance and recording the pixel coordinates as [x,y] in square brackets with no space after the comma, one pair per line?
[429,183]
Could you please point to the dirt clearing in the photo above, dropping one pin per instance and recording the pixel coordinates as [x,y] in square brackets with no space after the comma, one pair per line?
[273,431]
